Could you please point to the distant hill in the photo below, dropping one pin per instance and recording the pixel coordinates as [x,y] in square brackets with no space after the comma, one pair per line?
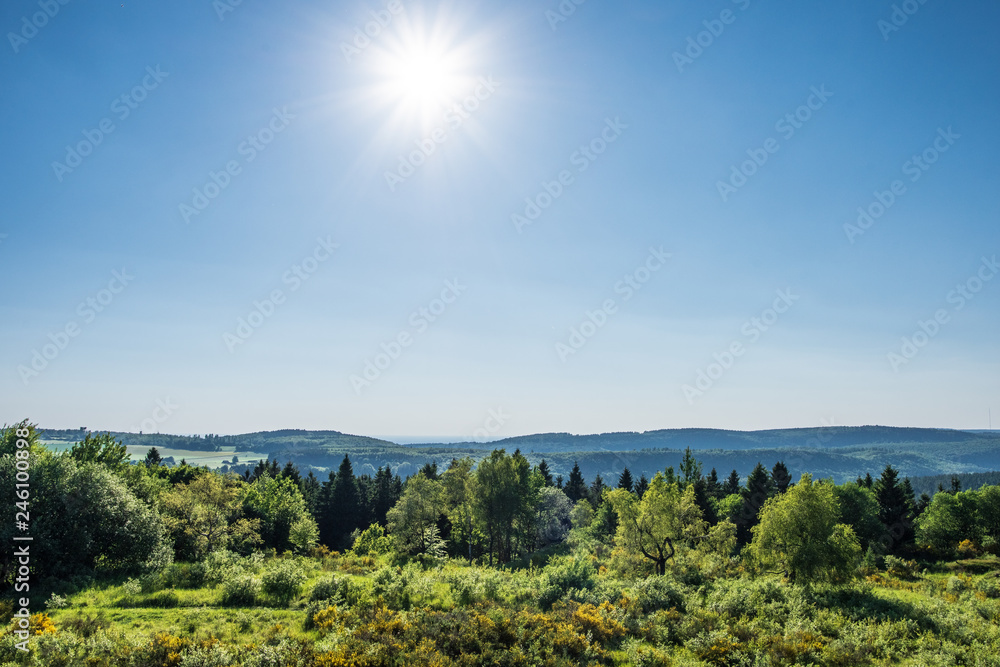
[840,452]
[707,438]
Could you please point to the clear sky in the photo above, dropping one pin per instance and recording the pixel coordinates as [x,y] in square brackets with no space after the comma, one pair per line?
[499,218]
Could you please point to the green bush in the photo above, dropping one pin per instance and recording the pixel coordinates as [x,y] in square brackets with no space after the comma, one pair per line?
[282,580]
[240,591]
[564,574]
[658,592]
[392,584]
[899,568]
[328,588]
[221,565]
[177,575]
[989,586]
[373,542]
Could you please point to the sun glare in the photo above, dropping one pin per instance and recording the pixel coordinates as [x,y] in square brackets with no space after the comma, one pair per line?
[422,79]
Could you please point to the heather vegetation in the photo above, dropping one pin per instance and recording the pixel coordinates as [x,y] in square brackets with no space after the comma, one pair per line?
[494,562]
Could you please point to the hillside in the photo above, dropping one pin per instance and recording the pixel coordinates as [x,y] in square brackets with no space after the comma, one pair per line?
[840,452]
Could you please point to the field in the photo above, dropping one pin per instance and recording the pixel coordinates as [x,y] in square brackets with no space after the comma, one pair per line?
[579,607]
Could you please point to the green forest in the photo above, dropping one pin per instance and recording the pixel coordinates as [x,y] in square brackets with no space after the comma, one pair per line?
[495,561]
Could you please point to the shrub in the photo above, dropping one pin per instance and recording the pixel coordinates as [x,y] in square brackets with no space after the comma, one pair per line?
[564,574]
[373,542]
[210,654]
[221,565]
[392,584]
[989,586]
[55,602]
[178,575]
[899,568]
[967,549]
[240,591]
[957,585]
[658,592]
[282,581]
[328,588]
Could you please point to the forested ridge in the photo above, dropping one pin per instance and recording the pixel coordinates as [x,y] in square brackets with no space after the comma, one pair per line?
[493,561]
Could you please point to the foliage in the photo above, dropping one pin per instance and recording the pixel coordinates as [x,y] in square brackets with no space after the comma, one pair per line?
[372,541]
[282,581]
[799,533]
[656,526]
[278,504]
[102,448]
[413,520]
[240,591]
[83,518]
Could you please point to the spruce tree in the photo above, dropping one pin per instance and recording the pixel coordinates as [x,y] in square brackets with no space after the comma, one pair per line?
[576,488]
[543,470]
[596,491]
[732,484]
[894,511]
[641,486]
[690,469]
[342,510]
[781,477]
[625,480]
[758,489]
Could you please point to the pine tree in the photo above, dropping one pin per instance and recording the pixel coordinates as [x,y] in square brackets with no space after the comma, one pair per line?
[290,471]
[543,470]
[894,511]
[430,471]
[690,469]
[781,477]
[153,458]
[641,486]
[712,485]
[311,489]
[340,512]
[596,491]
[758,489]
[576,488]
[732,484]
[625,480]
[385,495]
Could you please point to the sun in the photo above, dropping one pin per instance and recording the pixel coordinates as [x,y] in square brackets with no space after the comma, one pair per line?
[422,78]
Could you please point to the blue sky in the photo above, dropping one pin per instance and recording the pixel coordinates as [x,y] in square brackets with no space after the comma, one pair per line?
[618,100]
